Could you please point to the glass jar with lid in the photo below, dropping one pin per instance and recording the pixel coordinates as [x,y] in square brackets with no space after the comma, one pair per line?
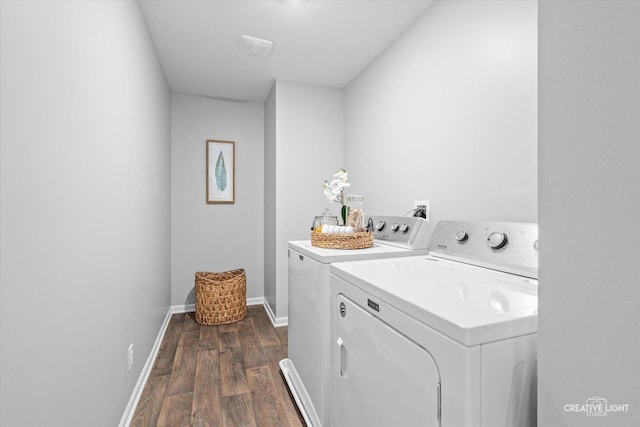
[324,219]
[355,212]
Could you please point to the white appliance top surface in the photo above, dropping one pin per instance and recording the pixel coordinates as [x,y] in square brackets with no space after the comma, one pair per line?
[472,305]
[327,256]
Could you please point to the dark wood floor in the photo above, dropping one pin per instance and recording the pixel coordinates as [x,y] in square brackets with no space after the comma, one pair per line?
[225,375]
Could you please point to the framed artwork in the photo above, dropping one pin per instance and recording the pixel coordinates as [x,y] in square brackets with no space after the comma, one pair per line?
[221,167]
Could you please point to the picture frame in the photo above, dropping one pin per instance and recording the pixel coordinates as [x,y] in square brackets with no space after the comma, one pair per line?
[221,169]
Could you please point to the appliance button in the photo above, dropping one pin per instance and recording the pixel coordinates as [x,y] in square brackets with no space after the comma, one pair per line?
[497,240]
[395,226]
[380,226]
[404,228]
[461,236]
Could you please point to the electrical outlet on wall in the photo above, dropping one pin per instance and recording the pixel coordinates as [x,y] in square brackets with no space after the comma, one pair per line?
[424,206]
[130,357]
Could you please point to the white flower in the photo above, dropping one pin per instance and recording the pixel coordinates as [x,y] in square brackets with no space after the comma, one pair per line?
[341,175]
[334,190]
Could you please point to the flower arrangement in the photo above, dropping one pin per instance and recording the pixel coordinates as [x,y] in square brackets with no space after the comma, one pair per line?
[334,190]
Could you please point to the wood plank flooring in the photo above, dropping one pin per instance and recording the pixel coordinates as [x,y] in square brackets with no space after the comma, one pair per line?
[225,375]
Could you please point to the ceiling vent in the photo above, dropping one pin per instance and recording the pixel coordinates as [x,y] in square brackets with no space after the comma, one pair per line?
[255,45]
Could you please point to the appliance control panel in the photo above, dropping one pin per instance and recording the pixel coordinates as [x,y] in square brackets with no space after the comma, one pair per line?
[505,246]
[403,231]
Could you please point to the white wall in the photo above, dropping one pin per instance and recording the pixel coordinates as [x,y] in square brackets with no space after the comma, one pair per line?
[209,237]
[589,152]
[84,214]
[308,150]
[448,114]
[270,282]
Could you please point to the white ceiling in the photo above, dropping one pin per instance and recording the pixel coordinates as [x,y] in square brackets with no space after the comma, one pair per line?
[324,42]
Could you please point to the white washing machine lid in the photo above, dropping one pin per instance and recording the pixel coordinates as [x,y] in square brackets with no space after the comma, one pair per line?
[327,256]
[472,305]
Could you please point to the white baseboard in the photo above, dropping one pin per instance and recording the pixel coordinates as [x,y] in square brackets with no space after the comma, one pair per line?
[144,375]
[299,393]
[276,321]
[146,370]
[187,308]
[256,301]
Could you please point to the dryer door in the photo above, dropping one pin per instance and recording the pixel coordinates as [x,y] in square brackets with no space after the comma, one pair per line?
[382,378]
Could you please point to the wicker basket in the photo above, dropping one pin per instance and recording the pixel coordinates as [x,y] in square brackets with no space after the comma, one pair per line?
[359,240]
[221,298]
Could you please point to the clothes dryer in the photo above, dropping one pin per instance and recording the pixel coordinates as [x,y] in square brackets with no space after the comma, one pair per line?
[306,370]
[447,339]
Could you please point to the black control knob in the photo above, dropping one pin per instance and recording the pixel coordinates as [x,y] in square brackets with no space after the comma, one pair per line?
[380,226]
[404,228]
[497,240]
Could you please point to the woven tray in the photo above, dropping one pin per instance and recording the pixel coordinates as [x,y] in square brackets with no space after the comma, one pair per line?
[221,298]
[359,240]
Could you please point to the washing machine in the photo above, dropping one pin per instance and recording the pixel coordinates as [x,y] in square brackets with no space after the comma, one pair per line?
[306,369]
[446,339]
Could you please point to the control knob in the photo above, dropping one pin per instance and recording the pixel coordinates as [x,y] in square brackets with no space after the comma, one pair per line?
[395,226]
[461,236]
[404,228]
[497,240]
[380,226]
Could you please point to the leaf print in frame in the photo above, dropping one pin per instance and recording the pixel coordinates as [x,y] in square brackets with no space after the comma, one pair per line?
[220,172]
